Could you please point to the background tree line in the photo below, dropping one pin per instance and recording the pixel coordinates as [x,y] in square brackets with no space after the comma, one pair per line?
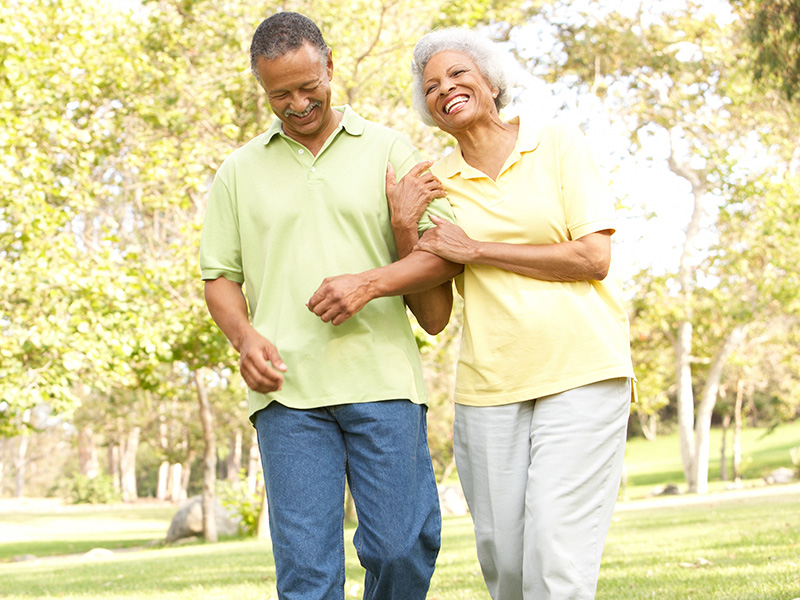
[114,118]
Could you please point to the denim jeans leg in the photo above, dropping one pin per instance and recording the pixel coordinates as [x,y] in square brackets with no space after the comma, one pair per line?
[394,491]
[303,457]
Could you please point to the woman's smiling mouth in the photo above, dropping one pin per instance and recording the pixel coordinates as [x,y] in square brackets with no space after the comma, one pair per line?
[454,103]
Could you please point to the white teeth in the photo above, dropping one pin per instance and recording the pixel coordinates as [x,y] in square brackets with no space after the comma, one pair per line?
[450,105]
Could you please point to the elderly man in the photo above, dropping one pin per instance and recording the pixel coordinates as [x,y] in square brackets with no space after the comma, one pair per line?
[299,215]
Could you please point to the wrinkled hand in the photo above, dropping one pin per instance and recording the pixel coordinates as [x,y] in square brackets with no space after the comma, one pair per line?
[339,298]
[260,364]
[409,197]
[447,241]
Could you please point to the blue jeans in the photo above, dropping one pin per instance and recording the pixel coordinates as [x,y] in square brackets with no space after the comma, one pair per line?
[382,450]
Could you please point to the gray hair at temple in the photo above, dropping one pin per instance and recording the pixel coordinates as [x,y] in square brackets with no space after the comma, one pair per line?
[492,61]
[282,33]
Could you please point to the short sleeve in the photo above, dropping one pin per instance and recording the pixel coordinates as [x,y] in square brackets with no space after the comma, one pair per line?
[588,205]
[220,242]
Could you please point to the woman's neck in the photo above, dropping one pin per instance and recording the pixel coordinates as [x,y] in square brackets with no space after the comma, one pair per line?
[486,147]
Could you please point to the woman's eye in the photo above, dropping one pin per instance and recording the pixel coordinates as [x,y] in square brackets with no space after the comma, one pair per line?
[429,89]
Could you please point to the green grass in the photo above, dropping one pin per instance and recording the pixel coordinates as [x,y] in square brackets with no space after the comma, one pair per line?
[78,529]
[742,545]
[723,548]
[651,464]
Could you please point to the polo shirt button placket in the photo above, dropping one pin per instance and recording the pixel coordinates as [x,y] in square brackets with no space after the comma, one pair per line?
[312,174]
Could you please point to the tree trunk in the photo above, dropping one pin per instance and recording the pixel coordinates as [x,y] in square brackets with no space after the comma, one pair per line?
[209,459]
[162,487]
[649,425]
[21,464]
[350,514]
[685,399]
[113,465]
[186,474]
[723,459]
[3,464]
[127,465]
[87,452]
[176,491]
[706,408]
[234,461]
[253,464]
[737,432]
[683,342]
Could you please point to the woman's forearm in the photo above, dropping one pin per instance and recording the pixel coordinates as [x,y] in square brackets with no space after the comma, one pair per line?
[587,258]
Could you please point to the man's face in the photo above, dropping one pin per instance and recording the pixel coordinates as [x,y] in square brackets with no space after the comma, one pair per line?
[299,91]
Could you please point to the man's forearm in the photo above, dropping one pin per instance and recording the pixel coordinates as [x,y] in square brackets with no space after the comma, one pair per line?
[417,272]
[342,296]
[228,307]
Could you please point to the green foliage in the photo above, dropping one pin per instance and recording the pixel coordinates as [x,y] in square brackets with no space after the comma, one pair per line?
[772,29]
[236,497]
[471,13]
[81,489]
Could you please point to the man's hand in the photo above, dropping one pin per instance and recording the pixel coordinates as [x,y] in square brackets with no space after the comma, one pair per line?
[340,297]
[260,364]
[409,197]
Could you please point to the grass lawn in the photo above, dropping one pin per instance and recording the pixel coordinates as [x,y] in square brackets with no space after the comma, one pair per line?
[650,464]
[734,545]
[742,545]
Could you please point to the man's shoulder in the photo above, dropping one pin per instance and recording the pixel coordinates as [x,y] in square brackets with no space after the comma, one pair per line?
[255,149]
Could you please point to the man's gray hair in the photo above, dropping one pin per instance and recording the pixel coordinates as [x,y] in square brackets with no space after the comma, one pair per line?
[282,33]
[492,61]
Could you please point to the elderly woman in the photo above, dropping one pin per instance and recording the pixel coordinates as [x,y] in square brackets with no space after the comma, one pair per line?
[544,378]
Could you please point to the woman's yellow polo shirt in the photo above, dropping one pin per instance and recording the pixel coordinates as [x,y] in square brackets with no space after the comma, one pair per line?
[525,338]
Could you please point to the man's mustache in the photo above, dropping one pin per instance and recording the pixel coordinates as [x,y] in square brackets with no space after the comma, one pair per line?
[289,112]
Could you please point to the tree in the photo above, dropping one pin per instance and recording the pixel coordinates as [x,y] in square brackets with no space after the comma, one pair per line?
[772,30]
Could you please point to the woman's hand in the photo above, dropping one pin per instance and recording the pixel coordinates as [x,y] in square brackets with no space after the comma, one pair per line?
[409,197]
[448,241]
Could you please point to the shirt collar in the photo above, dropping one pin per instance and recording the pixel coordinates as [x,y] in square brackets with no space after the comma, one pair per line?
[351,122]
[528,137]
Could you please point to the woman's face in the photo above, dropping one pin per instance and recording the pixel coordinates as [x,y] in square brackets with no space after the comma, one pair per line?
[456,92]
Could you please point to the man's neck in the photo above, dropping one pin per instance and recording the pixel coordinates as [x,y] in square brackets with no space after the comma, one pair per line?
[317,142]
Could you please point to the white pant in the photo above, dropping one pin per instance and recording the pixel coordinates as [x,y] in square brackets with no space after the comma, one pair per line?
[541,478]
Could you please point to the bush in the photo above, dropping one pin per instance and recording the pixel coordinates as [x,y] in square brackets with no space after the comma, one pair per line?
[236,497]
[81,489]
[795,454]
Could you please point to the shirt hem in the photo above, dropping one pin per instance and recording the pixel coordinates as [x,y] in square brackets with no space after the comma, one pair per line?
[254,408]
[492,398]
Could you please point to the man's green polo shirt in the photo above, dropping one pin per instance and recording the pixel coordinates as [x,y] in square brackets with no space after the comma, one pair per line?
[280,220]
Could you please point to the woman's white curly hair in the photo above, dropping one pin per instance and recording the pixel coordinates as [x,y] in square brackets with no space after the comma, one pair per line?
[492,61]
